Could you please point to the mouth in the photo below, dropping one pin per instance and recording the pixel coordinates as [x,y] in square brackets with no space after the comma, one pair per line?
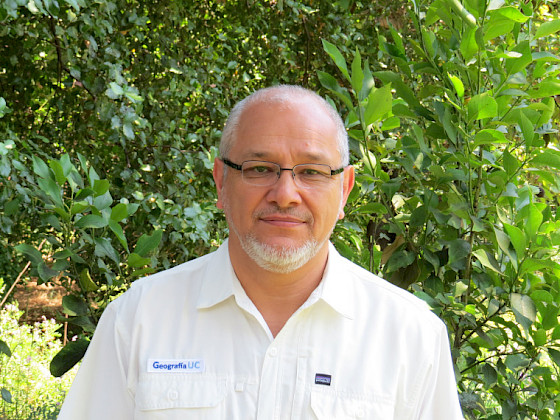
[284,219]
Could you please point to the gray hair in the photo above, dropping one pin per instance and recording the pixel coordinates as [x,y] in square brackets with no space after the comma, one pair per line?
[282,94]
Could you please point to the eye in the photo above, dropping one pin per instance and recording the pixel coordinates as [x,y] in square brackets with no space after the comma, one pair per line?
[258,169]
[261,169]
[311,172]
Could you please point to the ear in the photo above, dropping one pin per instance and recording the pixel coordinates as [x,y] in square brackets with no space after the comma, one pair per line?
[347,185]
[218,174]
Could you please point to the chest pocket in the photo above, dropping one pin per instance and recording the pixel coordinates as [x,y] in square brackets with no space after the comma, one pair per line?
[178,391]
[335,406]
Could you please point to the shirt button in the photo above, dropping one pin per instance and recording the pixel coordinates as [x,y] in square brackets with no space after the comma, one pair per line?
[360,413]
[173,395]
[273,352]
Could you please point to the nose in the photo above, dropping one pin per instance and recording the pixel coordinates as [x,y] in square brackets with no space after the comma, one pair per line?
[285,192]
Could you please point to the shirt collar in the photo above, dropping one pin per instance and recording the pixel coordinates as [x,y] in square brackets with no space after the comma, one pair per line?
[335,288]
[217,284]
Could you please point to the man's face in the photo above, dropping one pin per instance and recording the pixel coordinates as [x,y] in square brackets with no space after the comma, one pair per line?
[283,217]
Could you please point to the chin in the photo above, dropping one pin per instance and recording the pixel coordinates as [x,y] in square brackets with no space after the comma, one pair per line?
[280,256]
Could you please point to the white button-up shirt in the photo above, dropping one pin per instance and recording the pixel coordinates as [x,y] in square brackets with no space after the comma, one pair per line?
[187,343]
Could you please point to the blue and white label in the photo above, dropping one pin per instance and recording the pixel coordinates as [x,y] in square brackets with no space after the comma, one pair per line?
[176,365]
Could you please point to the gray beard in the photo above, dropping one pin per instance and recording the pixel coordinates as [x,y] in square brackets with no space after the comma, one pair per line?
[283,260]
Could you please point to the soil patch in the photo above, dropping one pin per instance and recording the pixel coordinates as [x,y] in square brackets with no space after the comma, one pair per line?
[38,300]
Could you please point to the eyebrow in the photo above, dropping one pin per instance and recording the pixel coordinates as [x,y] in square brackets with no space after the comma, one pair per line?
[310,157]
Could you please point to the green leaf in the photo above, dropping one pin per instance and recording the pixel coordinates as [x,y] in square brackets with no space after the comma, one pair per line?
[84,193]
[527,129]
[5,349]
[128,131]
[45,272]
[119,212]
[459,250]
[104,248]
[548,28]
[547,157]
[539,337]
[117,90]
[74,306]
[400,259]
[91,221]
[86,282]
[357,73]
[546,89]
[401,88]
[67,358]
[458,85]
[337,57]
[32,253]
[490,375]
[489,136]
[330,83]
[100,186]
[6,395]
[555,356]
[497,26]
[103,201]
[147,243]
[512,13]
[52,189]
[511,164]
[79,207]
[58,172]
[533,221]
[524,310]
[135,261]
[418,216]
[482,106]
[487,260]
[390,123]
[119,233]
[469,47]
[379,103]
[41,168]
[517,238]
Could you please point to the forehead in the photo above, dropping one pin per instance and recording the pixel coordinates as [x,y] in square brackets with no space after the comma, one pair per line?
[295,131]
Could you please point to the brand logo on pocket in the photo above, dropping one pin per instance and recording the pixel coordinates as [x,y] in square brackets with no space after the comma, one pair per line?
[176,365]
[322,379]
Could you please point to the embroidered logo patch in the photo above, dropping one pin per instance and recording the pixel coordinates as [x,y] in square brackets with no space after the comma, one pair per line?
[322,379]
[176,365]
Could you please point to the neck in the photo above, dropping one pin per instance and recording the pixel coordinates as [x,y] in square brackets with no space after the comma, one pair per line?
[276,295]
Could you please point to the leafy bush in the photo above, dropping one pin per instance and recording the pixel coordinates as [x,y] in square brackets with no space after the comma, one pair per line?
[29,391]
[461,177]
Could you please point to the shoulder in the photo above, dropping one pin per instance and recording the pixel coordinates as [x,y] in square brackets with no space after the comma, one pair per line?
[381,297]
[169,287]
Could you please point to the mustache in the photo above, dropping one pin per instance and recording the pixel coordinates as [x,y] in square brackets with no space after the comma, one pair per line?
[275,209]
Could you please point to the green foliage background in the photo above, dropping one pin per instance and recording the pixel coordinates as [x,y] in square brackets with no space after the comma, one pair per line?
[110,114]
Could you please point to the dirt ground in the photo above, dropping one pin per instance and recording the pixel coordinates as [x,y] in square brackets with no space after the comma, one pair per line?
[38,301]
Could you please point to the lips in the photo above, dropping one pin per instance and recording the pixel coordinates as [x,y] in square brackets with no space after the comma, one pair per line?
[285,218]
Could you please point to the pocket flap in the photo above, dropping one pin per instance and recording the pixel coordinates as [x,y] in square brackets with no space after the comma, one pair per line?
[163,391]
[331,405]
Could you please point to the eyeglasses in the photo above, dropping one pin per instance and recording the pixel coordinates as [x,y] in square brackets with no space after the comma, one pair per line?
[265,174]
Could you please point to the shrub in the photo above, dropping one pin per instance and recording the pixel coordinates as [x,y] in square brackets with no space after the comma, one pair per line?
[29,391]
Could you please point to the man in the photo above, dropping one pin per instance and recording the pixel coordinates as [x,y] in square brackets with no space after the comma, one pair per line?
[275,324]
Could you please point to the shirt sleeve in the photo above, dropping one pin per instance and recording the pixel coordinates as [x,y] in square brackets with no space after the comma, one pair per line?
[441,399]
[100,390]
